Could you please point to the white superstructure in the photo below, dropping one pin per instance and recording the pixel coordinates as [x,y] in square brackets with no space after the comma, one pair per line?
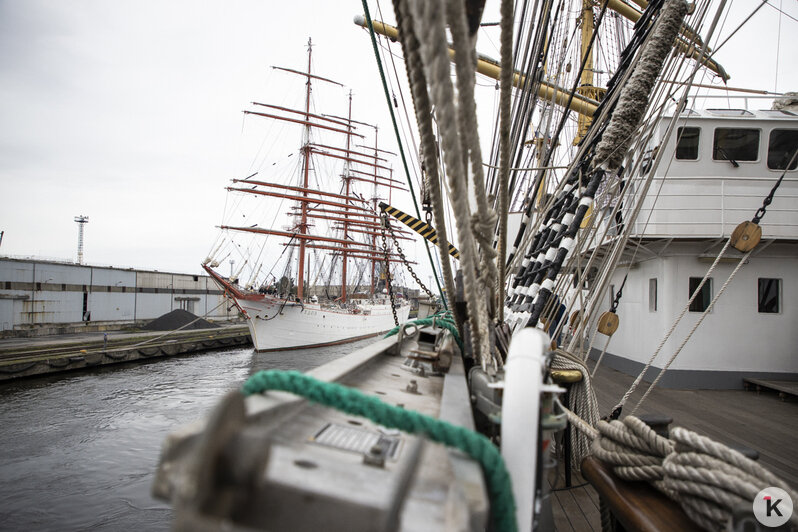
[716,171]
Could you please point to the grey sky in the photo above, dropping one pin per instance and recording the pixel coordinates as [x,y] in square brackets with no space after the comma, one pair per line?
[130,111]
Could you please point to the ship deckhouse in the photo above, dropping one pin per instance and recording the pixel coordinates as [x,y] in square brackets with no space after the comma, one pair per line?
[715,171]
[717,168]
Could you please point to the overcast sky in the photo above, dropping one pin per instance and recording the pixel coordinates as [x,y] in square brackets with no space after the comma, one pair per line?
[129,112]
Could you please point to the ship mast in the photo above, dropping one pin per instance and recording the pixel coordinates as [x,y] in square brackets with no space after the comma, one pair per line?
[347,164]
[352,214]
[303,224]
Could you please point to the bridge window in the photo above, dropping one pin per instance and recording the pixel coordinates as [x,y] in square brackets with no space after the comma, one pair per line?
[735,144]
[702,300]
[781,149]
[769,292]
[687,143]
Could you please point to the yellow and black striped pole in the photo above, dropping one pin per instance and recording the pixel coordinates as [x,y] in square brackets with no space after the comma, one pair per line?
[422,228]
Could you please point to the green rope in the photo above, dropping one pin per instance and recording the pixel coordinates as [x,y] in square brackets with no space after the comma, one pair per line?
[357,403]
[399,141]
[443,319]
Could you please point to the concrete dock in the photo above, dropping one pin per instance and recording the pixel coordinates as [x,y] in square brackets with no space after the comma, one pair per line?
[26,357]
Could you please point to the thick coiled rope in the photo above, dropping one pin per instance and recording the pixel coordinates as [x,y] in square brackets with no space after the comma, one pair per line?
[582,402]
[708,479]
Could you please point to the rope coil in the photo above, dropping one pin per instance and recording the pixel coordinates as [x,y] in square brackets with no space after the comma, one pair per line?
[708,479]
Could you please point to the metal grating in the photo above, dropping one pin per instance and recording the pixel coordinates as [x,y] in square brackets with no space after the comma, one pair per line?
[356,440]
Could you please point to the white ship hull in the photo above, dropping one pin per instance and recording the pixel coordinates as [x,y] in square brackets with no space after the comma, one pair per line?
[275,324]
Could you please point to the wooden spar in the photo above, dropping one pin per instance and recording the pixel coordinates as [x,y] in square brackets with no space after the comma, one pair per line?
[491,68]
[308,74]
[300,189]
[303,122]
[358,223]
[302,237]
[359,154]
[286,109]
[379,176]
[352,255]
[380,184]
[351,120]
[356,253]
[303,199]
[348,159]
[689,43]
[586,87]
[361,214]
[375,233]
[375,149]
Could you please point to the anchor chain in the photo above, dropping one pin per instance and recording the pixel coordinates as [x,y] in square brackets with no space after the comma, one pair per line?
[618,295]
[407,264]
[760,213]
[383,224]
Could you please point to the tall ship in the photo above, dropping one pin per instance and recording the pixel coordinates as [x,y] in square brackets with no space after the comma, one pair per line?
[334,229]
[619,240]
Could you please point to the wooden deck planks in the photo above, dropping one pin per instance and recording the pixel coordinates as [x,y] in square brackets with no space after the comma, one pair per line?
[735,417]
[575,508]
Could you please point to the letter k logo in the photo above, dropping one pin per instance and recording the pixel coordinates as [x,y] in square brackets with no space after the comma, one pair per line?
[772,506]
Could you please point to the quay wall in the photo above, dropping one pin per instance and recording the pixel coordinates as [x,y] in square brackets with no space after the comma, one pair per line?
[46,297]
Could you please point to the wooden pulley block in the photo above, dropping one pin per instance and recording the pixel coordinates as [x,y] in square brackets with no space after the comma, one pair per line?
[575,319]
[608,323]
[746,236]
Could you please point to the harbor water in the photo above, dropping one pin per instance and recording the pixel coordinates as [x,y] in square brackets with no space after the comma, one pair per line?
[78,451]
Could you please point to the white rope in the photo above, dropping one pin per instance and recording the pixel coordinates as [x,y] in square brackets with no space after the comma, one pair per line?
[423,108]
[485,219]
[601,356]
[708,479]
[432,33]
[639,378]
[583,404]
[505,82]
[690,334]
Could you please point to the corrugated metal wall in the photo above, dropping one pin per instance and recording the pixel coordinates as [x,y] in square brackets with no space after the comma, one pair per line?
[38,292]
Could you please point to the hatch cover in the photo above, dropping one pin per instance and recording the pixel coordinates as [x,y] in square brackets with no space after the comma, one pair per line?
[356,440]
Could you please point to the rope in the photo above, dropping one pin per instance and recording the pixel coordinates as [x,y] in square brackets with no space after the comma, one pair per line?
[441,319]
[684,342]
[432,30]
[396,132]
[582,403]
[423,108]
[484,220]
[505,83]
[601,356]
[357,403]
[639,378]
[708,479]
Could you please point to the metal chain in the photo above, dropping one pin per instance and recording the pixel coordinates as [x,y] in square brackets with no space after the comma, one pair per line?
[407,264]
[618,295]
[769,199]
[384,220]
